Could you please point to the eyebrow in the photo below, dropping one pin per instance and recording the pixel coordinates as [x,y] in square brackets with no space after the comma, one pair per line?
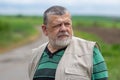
[54,22]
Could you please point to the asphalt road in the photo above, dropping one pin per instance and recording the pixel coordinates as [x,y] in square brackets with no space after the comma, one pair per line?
[14,64]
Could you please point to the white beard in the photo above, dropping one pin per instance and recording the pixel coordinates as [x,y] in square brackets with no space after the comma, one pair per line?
[60,43]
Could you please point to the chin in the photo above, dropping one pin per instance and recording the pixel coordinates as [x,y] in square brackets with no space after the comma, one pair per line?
[64,38]
[63,42]
[60,42]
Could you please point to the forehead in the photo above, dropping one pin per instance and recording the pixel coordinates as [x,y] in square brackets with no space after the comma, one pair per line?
[59,18]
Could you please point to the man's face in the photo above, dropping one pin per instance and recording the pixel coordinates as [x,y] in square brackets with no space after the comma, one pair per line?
[59,29]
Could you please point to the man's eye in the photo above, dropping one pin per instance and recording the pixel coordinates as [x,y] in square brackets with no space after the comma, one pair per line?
[67,24]
[58,25]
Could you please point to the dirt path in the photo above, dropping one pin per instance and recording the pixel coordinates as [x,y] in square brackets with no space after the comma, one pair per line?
[109,35]
[14,64]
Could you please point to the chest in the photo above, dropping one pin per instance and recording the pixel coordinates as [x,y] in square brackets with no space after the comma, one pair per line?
[73,67]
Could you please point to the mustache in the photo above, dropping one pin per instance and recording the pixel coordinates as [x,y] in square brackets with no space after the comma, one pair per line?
[63,34]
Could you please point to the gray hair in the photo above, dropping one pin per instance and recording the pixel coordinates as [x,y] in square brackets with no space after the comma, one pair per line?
[54,10]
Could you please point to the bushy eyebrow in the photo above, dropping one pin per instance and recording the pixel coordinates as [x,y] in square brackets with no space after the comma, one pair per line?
[58,22]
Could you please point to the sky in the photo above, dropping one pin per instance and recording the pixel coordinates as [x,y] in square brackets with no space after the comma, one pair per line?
[79,7]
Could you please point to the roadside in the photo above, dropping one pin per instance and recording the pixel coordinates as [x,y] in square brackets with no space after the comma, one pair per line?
[14,64]
[26,40]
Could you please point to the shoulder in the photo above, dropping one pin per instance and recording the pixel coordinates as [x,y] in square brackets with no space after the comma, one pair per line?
[34,50]
[97,55]
[38,50]
[83,42]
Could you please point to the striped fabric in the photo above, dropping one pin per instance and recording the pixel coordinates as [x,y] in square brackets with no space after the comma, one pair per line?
[48,64]
[49,61]
[99,67]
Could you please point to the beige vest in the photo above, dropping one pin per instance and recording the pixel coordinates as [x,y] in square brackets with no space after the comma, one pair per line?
[76,63]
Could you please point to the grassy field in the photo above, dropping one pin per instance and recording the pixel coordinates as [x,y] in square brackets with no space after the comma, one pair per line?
[15,29]
[111,53]
[96,21]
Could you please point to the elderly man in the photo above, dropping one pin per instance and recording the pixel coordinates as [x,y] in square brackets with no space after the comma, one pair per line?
[64,56]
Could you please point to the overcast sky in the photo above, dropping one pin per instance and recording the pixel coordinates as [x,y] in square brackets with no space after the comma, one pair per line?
[80,7]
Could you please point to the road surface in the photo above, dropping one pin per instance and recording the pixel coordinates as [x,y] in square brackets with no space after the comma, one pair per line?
[14,64]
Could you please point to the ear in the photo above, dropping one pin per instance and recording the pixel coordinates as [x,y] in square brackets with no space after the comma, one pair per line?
[44,29]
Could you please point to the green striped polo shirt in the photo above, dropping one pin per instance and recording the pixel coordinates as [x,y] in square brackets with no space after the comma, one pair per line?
[48,63]
[99,66]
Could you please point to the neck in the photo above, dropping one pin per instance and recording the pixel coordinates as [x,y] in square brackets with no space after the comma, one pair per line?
[53,48]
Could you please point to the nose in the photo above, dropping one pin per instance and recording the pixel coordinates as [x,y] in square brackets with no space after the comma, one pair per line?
[63,27]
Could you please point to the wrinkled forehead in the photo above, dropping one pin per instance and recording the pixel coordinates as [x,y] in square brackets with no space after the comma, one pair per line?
[59,18]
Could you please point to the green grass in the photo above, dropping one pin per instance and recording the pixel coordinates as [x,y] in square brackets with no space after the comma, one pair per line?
[96,21]
[111,53]
[14,29]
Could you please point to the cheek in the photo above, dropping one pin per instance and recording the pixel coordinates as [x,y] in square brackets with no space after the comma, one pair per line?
[70,30]
[53,33]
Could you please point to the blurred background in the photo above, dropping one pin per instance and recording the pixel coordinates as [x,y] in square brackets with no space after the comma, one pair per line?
[20,21]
